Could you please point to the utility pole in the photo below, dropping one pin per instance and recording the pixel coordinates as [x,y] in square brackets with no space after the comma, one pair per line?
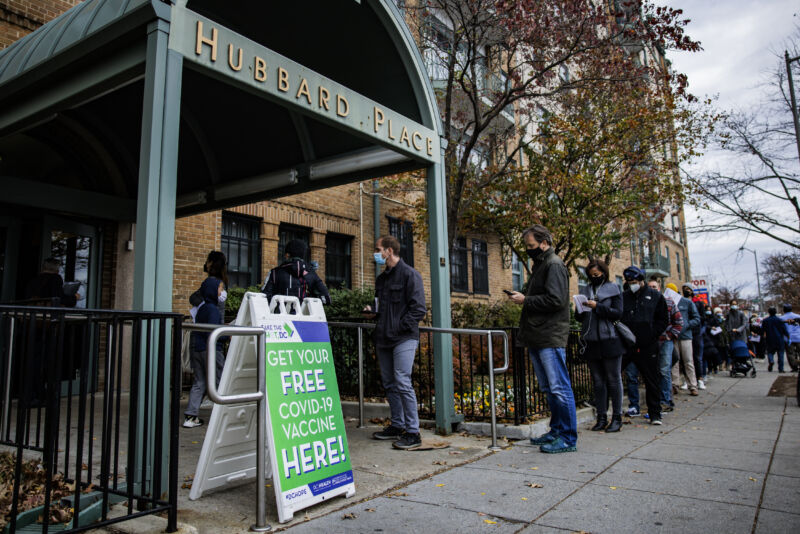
[792,98]
[758,278]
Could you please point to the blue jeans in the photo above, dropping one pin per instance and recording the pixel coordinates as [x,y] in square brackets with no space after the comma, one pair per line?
[665,368]
[550,366]
[632,380]
[770,354]
[396,364]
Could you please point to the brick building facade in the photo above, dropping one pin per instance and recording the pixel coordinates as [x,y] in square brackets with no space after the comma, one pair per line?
[336,222]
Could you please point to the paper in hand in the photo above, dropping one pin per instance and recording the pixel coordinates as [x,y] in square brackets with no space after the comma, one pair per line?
[580,301]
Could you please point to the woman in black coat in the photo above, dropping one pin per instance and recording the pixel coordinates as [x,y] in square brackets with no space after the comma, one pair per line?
[603,349]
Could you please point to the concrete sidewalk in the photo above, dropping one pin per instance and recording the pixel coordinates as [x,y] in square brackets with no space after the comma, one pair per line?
[726,461]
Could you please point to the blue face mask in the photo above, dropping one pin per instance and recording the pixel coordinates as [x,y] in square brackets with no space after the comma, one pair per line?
[380,260]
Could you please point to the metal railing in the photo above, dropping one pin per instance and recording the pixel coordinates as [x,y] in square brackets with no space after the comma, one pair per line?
[489,334]
[89,404]
[259,397]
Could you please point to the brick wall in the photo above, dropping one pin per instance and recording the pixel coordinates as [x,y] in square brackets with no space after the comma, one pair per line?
[20,17]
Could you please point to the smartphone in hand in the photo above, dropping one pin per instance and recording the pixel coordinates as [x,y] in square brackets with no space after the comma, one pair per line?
[507,292]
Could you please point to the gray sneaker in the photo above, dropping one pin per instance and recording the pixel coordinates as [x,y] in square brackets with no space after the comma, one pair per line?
[656,421]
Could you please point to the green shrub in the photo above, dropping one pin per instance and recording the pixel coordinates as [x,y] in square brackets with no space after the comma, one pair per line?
[348,303]
[498,314]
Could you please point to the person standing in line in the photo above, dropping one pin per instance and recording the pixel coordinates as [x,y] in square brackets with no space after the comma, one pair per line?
[217,266]
[697,336]
[207,313]
[400,307]
[777,335]
[603,349]
[684,345]
[294,277]
[544,329]
[665,345]
[736,323]
[645,313]
[756,336]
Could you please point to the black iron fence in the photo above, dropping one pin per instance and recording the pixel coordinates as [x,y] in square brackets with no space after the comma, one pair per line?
[518,397]
[89,416]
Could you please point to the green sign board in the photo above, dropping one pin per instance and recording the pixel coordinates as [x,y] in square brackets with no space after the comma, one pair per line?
[307,439]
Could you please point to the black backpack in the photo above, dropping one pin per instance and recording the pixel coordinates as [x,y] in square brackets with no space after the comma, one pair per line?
[289,279]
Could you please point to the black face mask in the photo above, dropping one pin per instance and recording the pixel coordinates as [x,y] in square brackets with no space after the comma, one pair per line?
[687,294]
[597,280]
[534,253]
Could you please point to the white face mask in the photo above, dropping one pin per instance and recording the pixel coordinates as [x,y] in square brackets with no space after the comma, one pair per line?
[223,296]
[634,287]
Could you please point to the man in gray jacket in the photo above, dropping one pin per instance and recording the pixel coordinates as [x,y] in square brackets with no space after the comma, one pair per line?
[543,329]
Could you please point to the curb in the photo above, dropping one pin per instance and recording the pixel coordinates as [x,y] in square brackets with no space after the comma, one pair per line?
[520,432]
[381,410]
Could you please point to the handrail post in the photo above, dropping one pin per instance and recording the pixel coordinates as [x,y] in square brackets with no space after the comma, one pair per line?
[9,366]
[260,398]
[494,446]
[261,439]
[360,378]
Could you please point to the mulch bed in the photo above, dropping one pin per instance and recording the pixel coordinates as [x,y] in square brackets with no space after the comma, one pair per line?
[784,386]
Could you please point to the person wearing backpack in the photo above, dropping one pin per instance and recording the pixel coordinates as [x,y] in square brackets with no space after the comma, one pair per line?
[294,277]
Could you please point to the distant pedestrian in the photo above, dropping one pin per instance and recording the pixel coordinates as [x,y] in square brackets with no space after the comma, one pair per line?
[645,313]
[544,329]
[756,337]
[777,336]
[603,349]
[710,352]
[736,322]
[792,321]
[401,306]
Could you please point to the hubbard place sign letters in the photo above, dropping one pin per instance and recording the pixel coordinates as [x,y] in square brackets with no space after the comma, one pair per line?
[226,52]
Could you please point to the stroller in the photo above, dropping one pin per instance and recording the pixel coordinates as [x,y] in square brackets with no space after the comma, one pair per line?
[741,359]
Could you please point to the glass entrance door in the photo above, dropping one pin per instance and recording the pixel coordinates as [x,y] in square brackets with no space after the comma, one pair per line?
[75,246]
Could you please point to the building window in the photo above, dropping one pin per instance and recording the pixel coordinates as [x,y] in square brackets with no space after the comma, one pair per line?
[617,254]
[337,261]
[686,268]
[666,254]
[619,282]
[404,232]
[458,266]
[287,232]
[480,267]
[516,272]
[241,244]
[678,262]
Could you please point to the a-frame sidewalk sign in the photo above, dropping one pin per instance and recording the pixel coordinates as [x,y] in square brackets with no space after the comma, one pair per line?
[306,440]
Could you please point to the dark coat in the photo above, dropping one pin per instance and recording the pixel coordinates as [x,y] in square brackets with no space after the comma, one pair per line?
[597,326]
[645,313]
[208,313]
[545,311]
[401,305]
[295,279]
[775,331]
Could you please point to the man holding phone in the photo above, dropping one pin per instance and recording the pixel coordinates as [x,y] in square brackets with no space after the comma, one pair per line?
[544,328]
[399,307]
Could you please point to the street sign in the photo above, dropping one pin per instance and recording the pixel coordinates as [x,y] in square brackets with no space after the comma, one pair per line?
[306,439]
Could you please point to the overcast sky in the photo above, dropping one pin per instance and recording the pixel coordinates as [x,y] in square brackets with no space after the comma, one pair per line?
[739,39]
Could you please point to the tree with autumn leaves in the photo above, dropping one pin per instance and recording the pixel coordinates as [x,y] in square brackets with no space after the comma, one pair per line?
[603,167]
[496,63]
